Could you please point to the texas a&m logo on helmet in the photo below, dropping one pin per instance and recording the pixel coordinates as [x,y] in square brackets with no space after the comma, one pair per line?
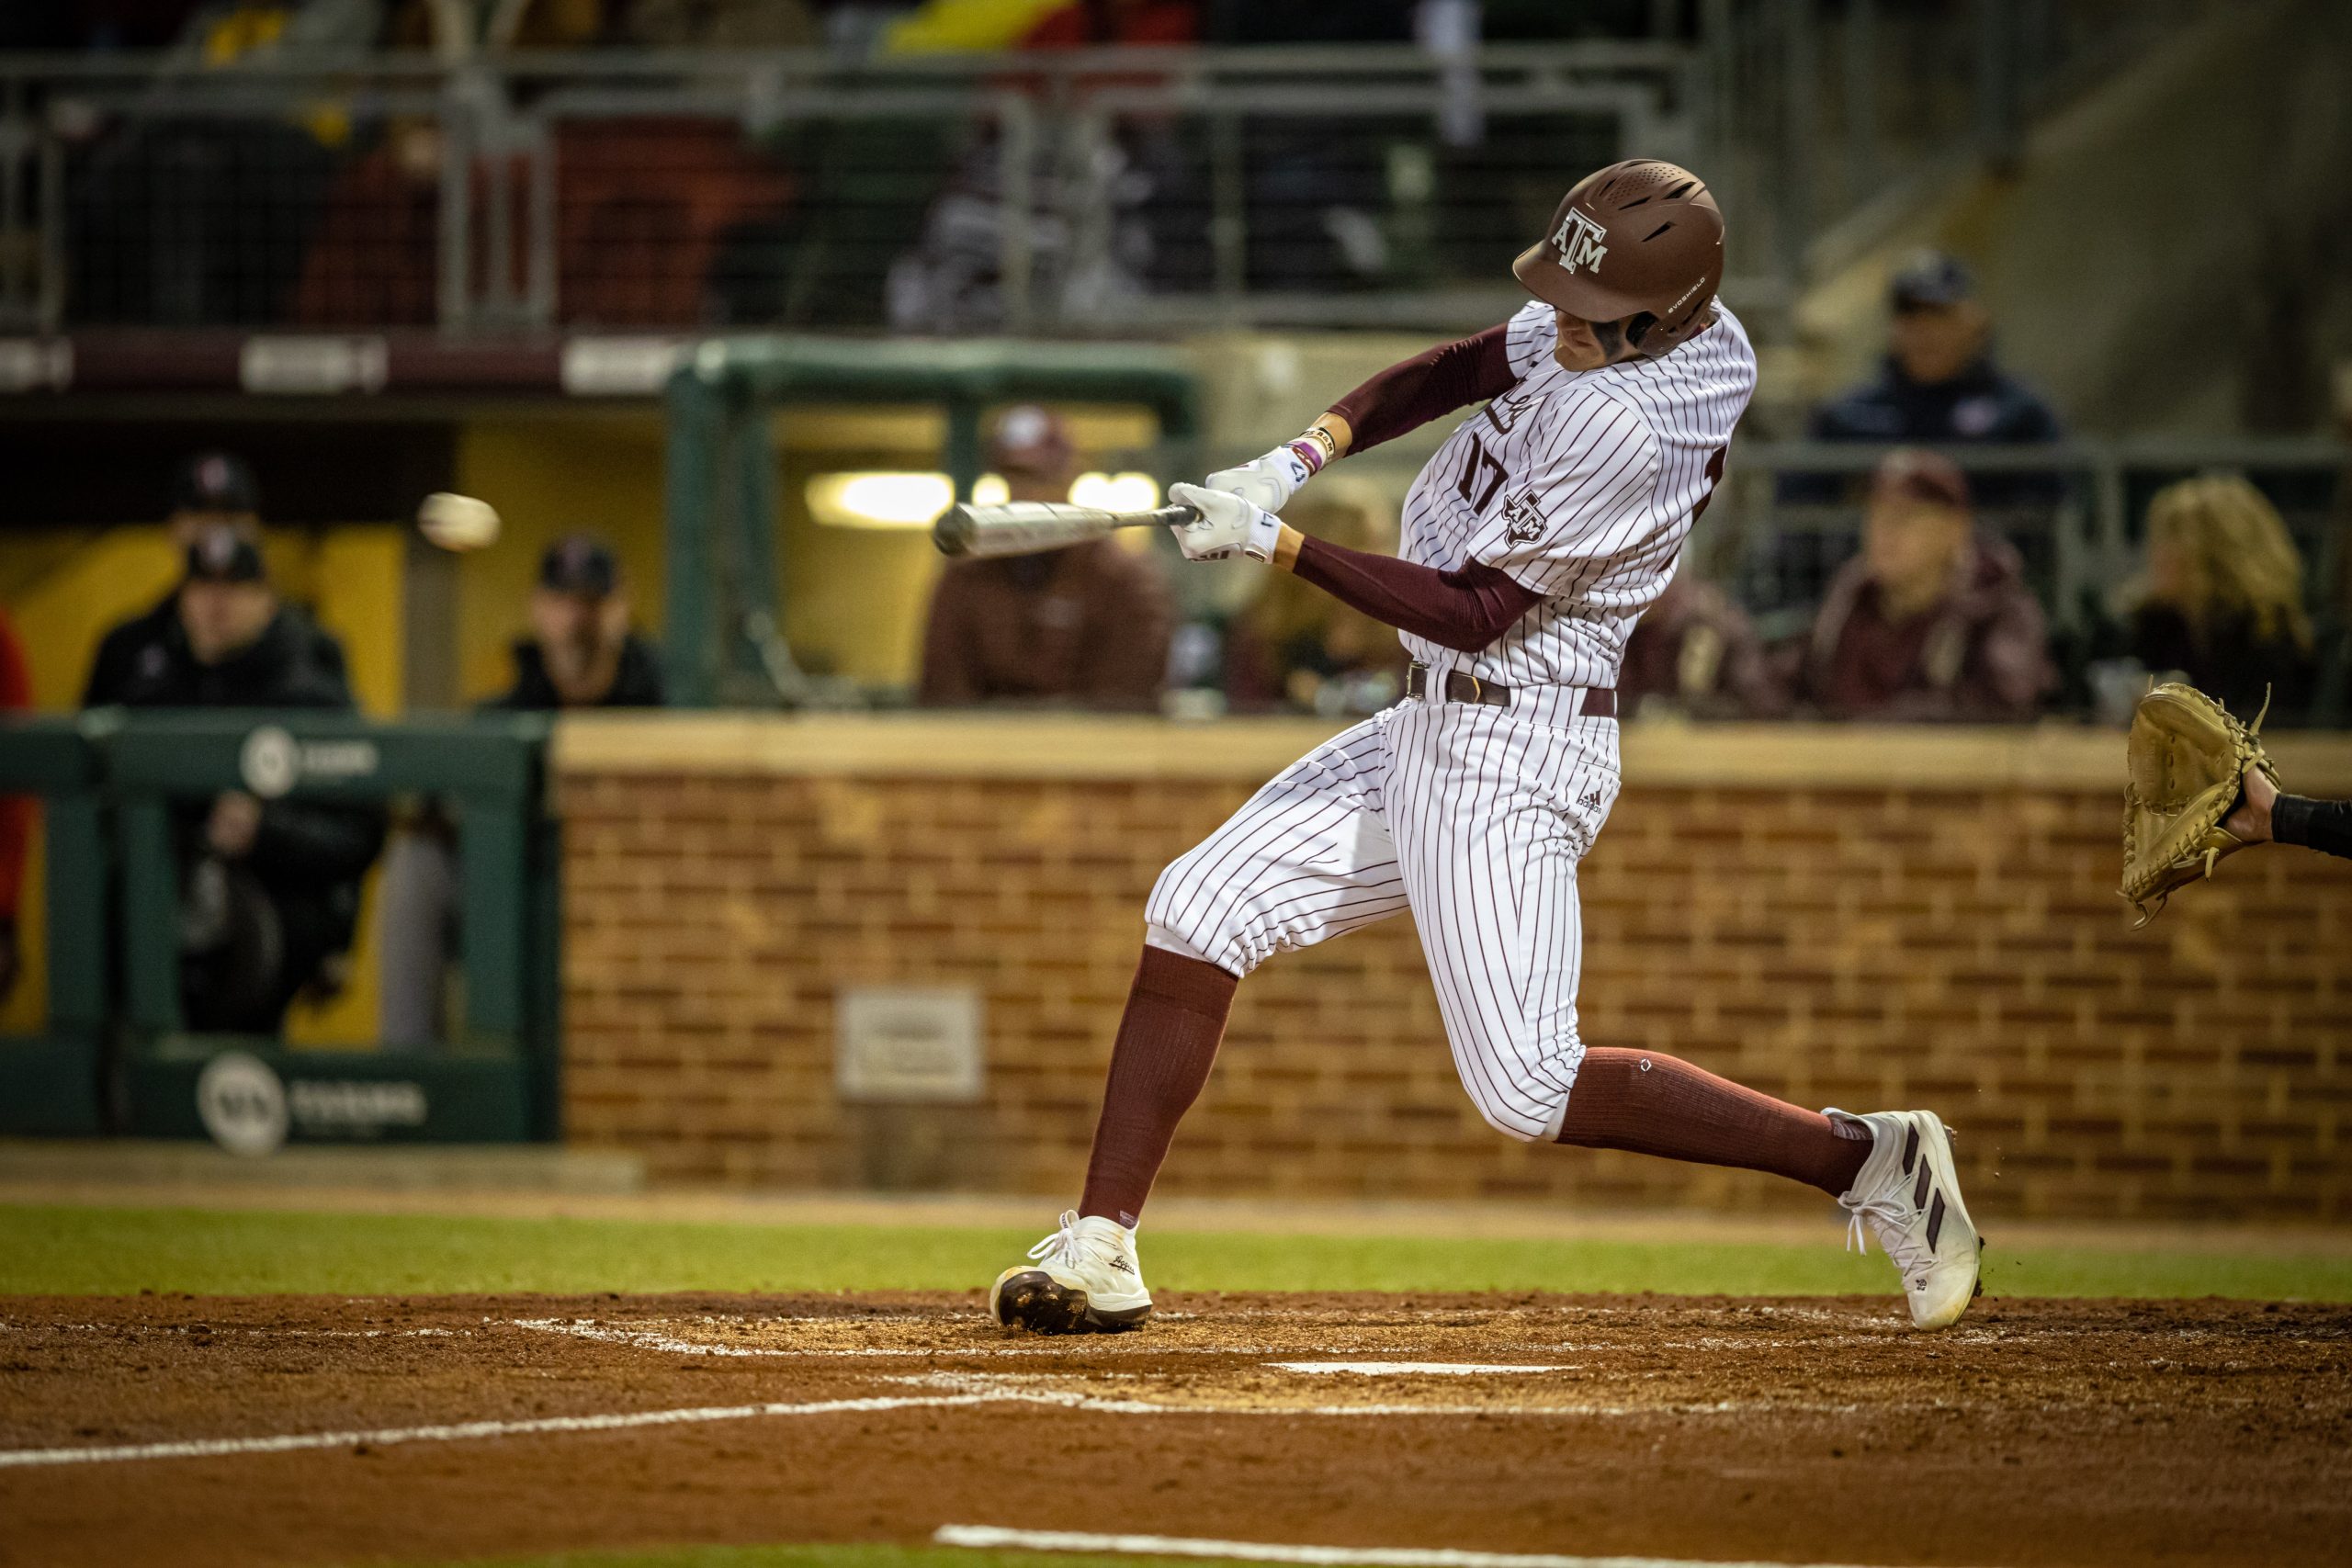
[1579,241]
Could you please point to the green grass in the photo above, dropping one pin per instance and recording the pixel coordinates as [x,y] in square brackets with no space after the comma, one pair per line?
[102,1251]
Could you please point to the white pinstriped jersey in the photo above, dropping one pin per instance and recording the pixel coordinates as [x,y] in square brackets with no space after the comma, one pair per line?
[1582,485]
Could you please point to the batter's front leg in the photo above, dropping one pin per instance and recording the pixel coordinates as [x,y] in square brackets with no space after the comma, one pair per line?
[1307,857]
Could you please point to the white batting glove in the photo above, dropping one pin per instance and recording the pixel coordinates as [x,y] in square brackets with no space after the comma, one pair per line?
[1227,525]
[1269,482]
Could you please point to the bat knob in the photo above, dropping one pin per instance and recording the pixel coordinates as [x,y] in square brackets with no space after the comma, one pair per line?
[952,533]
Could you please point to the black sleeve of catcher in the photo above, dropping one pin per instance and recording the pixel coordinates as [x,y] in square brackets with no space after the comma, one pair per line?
[2322,825]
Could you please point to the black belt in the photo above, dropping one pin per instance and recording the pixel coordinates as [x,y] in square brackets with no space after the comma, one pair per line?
[1460,687]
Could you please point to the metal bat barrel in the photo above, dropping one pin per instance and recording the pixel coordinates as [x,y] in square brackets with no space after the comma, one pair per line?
[1024,527]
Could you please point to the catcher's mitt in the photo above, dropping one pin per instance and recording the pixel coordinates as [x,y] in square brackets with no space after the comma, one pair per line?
[2188,759]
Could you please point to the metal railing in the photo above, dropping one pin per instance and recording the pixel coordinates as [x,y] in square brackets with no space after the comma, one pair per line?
[116,1053]
[1065,191]
[1378,185]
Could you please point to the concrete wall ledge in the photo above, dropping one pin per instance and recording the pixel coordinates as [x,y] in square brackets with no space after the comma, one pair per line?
[1086,746]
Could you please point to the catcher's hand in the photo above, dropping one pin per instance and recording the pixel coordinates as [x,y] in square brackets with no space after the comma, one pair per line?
[2187,761]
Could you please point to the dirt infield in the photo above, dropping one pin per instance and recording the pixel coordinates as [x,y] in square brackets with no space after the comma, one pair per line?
[308,1430]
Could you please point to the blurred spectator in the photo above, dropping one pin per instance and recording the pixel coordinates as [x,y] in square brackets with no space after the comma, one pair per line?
[269,889]
[1694,652]
[213,489]
[16,810]
[202,220]
[1932,620]
[1090,243]
[1086,626]
[1296,646]
[1938,385]
[2221,606]
[581,653]
[1104,208]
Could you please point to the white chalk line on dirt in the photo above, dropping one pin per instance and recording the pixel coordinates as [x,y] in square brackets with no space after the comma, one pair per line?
[388,1437]
[955,1390]
[646,1339]
[1017,1386]
[994,1538]
[1408,1369]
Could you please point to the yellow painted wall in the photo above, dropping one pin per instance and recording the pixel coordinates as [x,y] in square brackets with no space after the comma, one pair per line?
[853,598]
[65,588]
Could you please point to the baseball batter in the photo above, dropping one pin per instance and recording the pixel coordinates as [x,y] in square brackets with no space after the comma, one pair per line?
[1534,540]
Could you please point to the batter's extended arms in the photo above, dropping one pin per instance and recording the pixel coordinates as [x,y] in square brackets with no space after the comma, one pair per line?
[1024,527]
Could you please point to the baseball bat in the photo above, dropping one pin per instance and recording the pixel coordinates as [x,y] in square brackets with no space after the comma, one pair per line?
[1023,527]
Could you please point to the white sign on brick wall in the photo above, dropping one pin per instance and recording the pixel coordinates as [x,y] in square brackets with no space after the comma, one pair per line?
[903,1043]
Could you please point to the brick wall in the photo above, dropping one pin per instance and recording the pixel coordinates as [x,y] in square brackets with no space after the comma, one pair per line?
[1915,944]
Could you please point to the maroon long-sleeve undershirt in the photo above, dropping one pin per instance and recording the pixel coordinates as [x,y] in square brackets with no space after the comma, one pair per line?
[1470,606]
[1463,609]
[1412,392]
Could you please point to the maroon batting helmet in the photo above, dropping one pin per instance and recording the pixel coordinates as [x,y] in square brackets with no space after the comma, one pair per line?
[1640,242]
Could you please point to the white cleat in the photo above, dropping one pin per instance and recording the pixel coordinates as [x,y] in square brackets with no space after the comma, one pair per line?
[1908,1192]
[1085,1279]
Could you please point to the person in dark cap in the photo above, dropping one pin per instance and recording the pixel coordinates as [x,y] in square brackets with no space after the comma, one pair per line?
[214,488]
[1087,627]
[1932,620]
[1939,386]
[582,651]
[270,888]
[581,654]
[211,491]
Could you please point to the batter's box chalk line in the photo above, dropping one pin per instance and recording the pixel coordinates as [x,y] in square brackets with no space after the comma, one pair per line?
[950,1391]
[991,1536]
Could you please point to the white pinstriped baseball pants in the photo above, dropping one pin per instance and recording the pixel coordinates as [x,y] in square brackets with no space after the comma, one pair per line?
[1474,818]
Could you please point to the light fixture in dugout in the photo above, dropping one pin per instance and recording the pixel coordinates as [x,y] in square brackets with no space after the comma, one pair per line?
[888,500]
[910,500]
[1117,492]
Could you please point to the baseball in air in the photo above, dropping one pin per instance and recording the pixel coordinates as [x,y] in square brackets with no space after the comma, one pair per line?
[457,521]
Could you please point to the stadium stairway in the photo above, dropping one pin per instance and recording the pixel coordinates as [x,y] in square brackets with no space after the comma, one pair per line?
[2216,326]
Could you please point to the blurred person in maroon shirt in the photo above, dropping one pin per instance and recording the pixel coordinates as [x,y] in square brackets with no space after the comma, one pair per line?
[1933,620]
[1086,626]
[1695,652]
[1295,647]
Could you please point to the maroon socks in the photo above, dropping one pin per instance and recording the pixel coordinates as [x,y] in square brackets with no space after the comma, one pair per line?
[1624,1100]
[1656,1105]
[1167,1040]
